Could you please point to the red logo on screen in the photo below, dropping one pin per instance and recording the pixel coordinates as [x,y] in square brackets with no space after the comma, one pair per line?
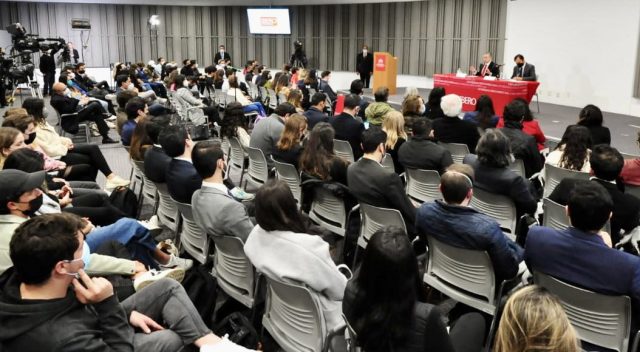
[381,62]
[268,21]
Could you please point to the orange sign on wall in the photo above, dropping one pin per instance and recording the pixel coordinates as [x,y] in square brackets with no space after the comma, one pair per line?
[380,62]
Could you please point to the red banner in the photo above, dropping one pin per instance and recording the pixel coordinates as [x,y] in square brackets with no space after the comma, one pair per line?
[380,62]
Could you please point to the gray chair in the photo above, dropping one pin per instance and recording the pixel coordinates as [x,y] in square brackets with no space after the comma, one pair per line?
[282,98]
[458,151]
[423,185]
[343,149]
[599,319]
[192,238]
[517,166]
[497,206]
[553,176]
[289,174]
[236,157]
[387,162]
[168,213]
[555,215]
[628,156]
[82,126]
[148,190]
[328,211]
[258,170]
[221,98]
[294,318]
[273,99]
[233,270]
[632,190]
[375,218]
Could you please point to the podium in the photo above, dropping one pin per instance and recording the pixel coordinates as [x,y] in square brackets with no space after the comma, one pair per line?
[385,71]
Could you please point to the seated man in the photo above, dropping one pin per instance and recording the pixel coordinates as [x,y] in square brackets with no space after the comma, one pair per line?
[523,146]
[581,255]
[136,110]
[185,98]
[348,127]
[453,222]
[375,112]
[372,184]
[87,111]
[228,217]
[156,161]
[266,133]
[63,309]
[606,165]
[316,113]
[421,153]
[123,83]
[83,78]
[324,86]
[451,129]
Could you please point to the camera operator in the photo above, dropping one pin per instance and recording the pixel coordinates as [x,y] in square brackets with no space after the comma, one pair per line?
[299,57]
[48,69]
[69,55]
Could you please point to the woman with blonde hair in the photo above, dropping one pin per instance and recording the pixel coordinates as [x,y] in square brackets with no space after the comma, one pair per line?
[533,320]
[289,147]
[295,99]
[393,125]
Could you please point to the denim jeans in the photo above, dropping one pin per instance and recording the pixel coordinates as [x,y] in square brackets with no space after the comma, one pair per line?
[167,303]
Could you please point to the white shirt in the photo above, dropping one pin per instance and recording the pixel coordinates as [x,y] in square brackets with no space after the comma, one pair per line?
[219,186]
[184,159]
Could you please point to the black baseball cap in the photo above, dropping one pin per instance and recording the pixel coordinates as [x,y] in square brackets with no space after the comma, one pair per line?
[13,183]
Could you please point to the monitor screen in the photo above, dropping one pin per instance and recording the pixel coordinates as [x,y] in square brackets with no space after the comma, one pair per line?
[269,21]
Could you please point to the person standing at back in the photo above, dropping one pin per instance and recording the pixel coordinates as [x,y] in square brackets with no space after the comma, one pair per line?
[48,69]
[364,65]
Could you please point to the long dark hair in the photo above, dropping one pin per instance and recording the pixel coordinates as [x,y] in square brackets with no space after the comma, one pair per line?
[277,210]
[35,108]
[575,144]
[317,155]
[140,140]
[590,115]
[233,118]
[484,107]
[435,96]
[387,289]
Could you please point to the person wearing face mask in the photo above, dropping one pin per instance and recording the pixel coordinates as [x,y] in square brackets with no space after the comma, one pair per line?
[48,69]
[84,79]
[222,56]
[364,65]
[184,96]
[413,109]
[523,71]
[372,184]
[348,126]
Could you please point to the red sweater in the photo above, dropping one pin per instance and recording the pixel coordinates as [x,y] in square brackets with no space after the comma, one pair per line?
[631,172]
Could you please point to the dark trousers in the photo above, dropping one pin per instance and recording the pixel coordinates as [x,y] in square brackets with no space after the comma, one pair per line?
[212,114]
[468,332]
[91,112]
[96,207]
[88,154]
[365,78]
[49,79]
[3,98]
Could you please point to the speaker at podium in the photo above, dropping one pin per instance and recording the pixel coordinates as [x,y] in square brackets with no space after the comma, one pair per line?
[385,71]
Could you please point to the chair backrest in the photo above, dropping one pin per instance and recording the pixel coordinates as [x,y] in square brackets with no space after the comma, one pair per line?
[497,206]
[328,210]
[258,171]
[465,275]
[233,270]
[221,98]
[343,149]
[554,174]
[387,162]
[293,318]
[273,99]
[458,151]
[236,152]
[554,215]
[628,156]
[375,218]
[423,185]
[192,237]
[289,174]
[168,213]
[149,190]
[282,98]
[599,319]
[632,190]
[517,166]
[263,93]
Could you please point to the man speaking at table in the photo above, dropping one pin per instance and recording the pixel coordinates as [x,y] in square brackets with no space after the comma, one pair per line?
[487,67]
[523,71]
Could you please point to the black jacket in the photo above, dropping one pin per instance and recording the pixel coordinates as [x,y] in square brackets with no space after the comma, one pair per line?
[524,146]
[217,57]
[527,72]
[421,153]
[156,164]
[64,105]
[326,89]
[454,130]
[291,156]
[626,208]
[494,70]
[349,129]
[47,64]
[314,116]
[60,324]
[182,180]
[372,184]
[364,64]
[600,135]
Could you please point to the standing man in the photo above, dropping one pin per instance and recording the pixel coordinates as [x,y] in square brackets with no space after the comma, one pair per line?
[222,54]
[364,66]
[487,67]
[523,71]
[48,69]
[69,55]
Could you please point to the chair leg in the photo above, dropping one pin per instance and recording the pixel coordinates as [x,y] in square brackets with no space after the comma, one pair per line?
[87,133]
[538,102]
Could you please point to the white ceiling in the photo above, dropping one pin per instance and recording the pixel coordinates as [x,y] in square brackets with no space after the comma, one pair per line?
[222,2]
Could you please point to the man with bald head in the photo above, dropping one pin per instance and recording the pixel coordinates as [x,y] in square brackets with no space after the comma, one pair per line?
[487,67]
[453,222]
[86,110]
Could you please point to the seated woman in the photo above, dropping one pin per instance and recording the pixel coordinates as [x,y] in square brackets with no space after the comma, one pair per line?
[631,171]
[530,125]
[434,111]
[295,98]
[573,151]
[591,118]
[234,124]
[140,141]
[289,147]
[491,166]
[185,98]
[385,303]
[393,125]
[318,160]
[282,85]
[237,95]
[484,116]
[72,154]
[281,248]
[533,320]
[413,108]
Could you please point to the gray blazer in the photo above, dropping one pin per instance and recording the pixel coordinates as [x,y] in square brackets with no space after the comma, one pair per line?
[219,214]
[528,72]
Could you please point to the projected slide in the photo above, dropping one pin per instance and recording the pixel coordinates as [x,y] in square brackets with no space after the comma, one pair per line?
[269,21]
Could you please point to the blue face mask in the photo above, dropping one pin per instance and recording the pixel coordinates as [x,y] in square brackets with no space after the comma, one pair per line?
[86,258]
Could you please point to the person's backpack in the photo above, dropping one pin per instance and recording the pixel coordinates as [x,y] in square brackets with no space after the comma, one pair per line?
[201,288]
[239,330]
[125,199]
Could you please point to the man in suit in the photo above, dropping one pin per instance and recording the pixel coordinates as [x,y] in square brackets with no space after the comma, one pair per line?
[266,133]
[364,65]
[451,129]
[487,67]
[421,153]
[222,54]
[48,69]
[372,184]
[87,111]
[156,161]
[581,254]
[523,71]
[324,86]
[316,113]
[182,178]
[347,127]
[606,165]
[228,217]
[523,146]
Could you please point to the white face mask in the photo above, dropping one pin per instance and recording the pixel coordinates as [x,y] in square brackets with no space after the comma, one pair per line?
[185,83]
[71,76]
[422,109]
[67,92]
[131,87]
[365,51]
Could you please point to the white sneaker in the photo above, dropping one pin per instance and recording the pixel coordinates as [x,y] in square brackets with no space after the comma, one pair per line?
[153,275]
[176,261]
[168,247]
[116,181]
[111,125]
[111,118]
[239,194]
[95,132]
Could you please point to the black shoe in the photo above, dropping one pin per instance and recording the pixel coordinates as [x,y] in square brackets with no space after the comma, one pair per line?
[107,140]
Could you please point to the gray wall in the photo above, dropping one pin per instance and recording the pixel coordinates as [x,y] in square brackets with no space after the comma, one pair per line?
[636,87]
[426,36]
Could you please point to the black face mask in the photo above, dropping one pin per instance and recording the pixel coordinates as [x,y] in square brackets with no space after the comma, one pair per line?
[34,205]
[520,64]
[32,137]
[81,72]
